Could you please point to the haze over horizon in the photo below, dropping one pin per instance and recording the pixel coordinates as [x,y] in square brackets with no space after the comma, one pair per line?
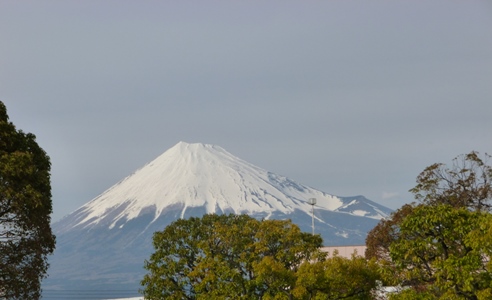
[348,97]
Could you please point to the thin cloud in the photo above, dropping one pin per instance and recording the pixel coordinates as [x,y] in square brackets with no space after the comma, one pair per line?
[390,195]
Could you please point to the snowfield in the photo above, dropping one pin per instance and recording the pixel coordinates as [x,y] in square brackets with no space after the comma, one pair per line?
[201,175]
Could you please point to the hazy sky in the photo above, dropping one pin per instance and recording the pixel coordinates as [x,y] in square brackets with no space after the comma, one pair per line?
[350,97]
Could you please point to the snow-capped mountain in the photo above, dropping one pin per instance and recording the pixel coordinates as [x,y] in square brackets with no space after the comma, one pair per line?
[107,240]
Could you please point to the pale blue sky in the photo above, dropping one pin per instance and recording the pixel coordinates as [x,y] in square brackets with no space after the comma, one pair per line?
[350,97]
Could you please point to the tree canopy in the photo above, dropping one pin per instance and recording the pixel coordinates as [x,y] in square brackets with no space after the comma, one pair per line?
[467,182]
[239,257]
[25,208]
[338,278]
[226,256]
[437,251]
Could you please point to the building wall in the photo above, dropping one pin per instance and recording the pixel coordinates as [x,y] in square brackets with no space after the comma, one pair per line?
[345,251]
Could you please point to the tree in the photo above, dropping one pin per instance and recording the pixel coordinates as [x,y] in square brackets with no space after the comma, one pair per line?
[338,278]
[384,233]
[25,208]
[467,183]
[379,240]
[440,251]
[227,257]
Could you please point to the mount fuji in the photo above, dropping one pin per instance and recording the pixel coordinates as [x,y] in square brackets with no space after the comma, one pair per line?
[103,244]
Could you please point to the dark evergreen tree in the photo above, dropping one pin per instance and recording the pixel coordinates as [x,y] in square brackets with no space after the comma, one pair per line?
[26,238]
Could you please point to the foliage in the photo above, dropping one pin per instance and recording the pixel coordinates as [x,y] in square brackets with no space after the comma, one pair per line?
[25,207]
[227,257]
[384,233]
[436,251]
[412,294]
[338,278]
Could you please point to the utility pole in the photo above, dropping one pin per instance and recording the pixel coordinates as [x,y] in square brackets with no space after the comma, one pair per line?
[312,201]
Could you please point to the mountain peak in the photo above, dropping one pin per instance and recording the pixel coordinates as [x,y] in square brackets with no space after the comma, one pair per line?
[195,154]
[192,147]
[198,175]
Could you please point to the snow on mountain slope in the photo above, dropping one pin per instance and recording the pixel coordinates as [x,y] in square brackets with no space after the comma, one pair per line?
[200,175]
[361,206]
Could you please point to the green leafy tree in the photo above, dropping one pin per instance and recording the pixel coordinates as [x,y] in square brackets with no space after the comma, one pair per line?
[440,251]
[480,239]
[227,257]
[412,294]
[25,208]
[338,278]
